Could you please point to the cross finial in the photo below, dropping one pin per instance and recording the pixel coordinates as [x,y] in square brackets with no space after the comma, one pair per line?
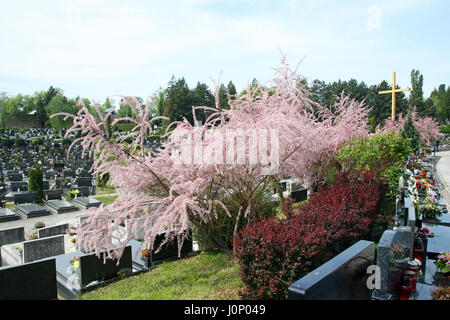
[393,91]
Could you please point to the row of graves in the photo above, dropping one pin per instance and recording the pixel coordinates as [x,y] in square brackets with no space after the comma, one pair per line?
[53,267]
[31,133]
[411,261]
[62,174]
[52,264]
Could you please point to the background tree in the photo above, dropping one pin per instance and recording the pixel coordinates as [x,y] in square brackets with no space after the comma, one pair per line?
[179,101]
[416,96]
[60,103]
[42,102]
[441,102]
[202,96]
[35,184]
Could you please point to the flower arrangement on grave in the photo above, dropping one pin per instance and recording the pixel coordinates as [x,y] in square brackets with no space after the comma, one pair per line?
[75,262]
[74,192]
[443,262]
[421,187]
[145,253]
[398,252]
[430,210]
[425,232]
[72,239]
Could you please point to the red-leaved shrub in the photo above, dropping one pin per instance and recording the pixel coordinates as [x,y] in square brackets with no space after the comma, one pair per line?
[273,253]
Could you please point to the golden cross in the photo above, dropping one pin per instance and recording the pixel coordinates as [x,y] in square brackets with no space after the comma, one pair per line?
[393,91]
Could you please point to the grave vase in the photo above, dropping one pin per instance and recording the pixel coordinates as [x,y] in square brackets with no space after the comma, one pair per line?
[419,223]
[395,275]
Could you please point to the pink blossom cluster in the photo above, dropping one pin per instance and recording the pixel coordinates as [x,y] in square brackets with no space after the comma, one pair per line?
[427,127]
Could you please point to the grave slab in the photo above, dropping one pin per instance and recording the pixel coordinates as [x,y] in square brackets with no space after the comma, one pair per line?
[61,206]
[343,277]
[440,241]
[88,202]
[8,215]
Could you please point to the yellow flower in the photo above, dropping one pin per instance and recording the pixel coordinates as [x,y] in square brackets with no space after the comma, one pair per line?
[76,263]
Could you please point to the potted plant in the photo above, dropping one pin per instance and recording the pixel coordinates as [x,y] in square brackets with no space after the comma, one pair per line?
[443,262]
[39,225]
[430,210]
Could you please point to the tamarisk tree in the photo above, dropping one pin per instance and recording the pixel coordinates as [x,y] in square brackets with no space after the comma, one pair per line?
[427,127]
[269,132]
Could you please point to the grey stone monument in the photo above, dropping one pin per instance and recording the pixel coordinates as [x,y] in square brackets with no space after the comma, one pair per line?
[394,252]
[43,248]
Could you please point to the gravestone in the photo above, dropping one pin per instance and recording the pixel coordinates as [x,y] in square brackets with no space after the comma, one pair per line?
[53,230]
[393,253]
[73,281]
[93,268]
[30,281]
[342,278]
[16,177]
[83,181]
[170,248]
[43,248]
[13,235]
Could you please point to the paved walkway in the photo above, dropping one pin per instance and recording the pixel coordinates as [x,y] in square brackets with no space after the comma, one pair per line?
[50,220]
[443,171]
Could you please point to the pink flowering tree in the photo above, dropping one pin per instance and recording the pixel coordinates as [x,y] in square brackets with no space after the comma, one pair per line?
[428,128]
[270,132]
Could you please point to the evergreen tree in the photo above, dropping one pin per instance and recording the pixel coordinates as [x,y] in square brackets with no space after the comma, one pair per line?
[41,114]
[36,184]
[416,96]
[410,131]
[179,100]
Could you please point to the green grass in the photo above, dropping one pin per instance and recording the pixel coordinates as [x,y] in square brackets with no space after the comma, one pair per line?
[105,190]
[10,205]
[106,199]
[207,276]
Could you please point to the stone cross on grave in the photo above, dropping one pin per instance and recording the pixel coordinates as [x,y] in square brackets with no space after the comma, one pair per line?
[393,91]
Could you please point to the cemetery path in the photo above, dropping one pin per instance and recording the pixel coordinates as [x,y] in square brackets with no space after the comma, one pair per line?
[443,171]
[50,220]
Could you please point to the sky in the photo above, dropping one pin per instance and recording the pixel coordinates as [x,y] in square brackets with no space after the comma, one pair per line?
[98,49]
